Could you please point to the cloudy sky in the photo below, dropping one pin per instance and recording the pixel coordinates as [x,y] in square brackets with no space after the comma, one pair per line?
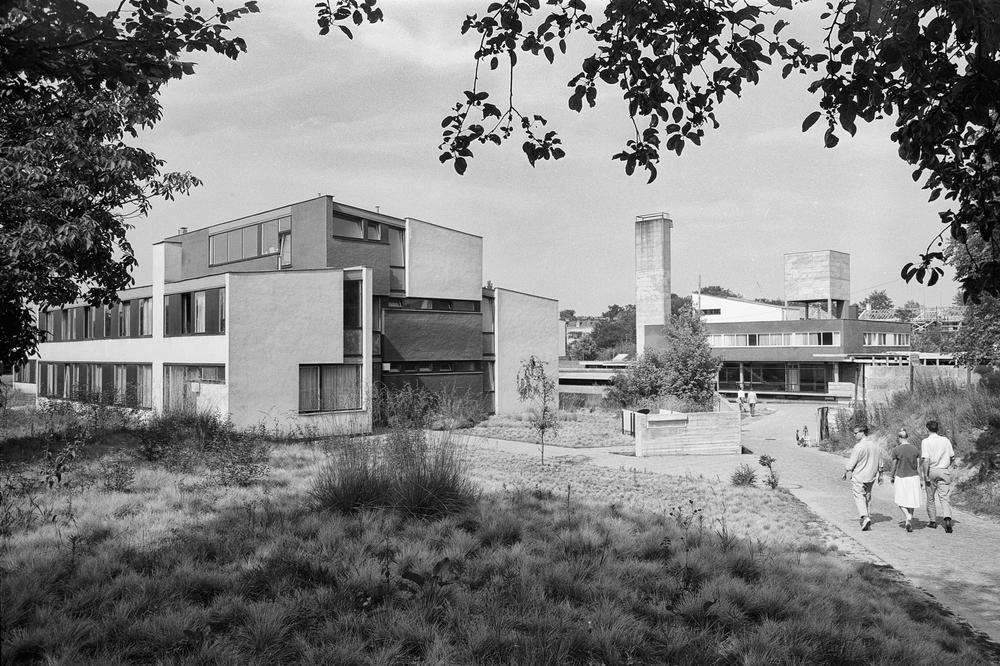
[300,115]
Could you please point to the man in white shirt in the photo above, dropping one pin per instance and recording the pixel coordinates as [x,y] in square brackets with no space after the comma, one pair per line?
[936,457]
[864,466]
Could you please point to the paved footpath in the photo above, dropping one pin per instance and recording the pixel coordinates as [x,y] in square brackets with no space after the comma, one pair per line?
[961,570]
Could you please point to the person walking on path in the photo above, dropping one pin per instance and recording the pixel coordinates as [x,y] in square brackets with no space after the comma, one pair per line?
[907,477]
[865,467]
[752,400]
[741,398]
[936,457]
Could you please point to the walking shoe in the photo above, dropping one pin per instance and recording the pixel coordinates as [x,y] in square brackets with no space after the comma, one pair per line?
[932,525]
[947,525]
[909,527]
[866,524]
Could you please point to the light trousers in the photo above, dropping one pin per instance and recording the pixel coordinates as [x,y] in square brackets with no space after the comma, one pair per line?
[938,491]
[862,492]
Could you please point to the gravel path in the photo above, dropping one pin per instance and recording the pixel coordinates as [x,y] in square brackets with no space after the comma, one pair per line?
[961,570]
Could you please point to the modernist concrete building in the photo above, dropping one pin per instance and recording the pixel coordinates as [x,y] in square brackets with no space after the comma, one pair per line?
[812,346]
[294,314]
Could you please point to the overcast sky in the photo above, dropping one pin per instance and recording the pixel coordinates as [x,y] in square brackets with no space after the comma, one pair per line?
[300,115]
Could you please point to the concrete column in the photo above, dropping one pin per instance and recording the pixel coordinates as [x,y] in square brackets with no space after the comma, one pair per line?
[652,274]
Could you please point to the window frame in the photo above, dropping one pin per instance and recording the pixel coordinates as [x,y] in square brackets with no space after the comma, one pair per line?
[318,367]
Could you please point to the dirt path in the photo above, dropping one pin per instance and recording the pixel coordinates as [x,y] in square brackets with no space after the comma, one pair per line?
[961,570]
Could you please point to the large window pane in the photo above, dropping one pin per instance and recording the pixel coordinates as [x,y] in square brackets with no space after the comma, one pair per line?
[235,245]
[251,242]
[199,312]
[347,228]
[309,388]
[397,279]
[269,237]
[352,304]
[286,250]
[346,386]
[396,257]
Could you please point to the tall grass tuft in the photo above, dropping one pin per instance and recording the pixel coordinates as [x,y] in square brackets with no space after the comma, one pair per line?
[408,470]
[410,406]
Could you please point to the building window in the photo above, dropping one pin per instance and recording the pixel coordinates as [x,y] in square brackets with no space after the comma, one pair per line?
[123,319]
[887,340]
[88,323]
[348,228]
[146,316]
[397,259]
[195,313]
[285,243]
[222,311]
[250,242]
[353,314]
[329,388]
[711,311]
[818,339]
[199,312]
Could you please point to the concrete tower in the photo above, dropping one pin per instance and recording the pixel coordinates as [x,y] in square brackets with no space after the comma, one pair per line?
[652,274]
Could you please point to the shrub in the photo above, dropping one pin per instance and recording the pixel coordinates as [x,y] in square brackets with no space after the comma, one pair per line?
[118,474]
[404,470]
[455,409]
[405,406]
[745,475]
[238,460]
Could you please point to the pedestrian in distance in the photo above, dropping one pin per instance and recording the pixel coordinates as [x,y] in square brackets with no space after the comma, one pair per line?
[865,467]
[741,398]
[936,458]
[907,477]
[752,401]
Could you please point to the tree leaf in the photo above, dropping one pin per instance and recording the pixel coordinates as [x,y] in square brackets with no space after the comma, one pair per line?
[810,120]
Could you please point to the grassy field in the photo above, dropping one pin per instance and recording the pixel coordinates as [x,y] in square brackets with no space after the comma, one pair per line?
[566,563]
[580,429]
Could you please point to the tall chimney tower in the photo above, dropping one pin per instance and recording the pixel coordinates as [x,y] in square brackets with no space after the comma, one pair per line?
[652,274]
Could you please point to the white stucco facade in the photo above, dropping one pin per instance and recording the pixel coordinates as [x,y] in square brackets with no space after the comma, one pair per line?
[717,309]
[526,325]
[442,263]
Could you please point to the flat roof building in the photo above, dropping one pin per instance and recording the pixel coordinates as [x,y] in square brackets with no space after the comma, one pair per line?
[295,314]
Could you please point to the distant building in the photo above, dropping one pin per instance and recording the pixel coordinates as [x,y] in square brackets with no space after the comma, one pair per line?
[296,314]
[809,347]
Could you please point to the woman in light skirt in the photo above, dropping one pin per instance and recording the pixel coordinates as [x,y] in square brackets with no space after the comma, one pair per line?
[907,477]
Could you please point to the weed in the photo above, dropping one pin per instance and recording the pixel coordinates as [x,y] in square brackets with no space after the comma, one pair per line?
[118,473]
[772,477]
[745,475]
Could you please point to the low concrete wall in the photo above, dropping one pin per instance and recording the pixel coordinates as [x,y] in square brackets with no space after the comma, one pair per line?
[676,433]
[881,381]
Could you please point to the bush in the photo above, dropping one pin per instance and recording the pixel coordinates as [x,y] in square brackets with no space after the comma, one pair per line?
[745,475]
[238,460]
[118,474]
[411,406]
[404,470]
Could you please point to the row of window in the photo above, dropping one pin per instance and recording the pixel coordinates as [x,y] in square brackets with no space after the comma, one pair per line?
[422,367]
[448,305]
[887,340]
[127,384]
[26,374]
[818,339]
[195,312]
[783,377]
[128,319]
[250,242]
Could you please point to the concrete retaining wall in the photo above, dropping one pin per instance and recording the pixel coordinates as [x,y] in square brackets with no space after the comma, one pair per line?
[697,433]
[881,381]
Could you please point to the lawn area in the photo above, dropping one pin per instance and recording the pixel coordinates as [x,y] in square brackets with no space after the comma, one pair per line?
[578,429]
[566,563]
